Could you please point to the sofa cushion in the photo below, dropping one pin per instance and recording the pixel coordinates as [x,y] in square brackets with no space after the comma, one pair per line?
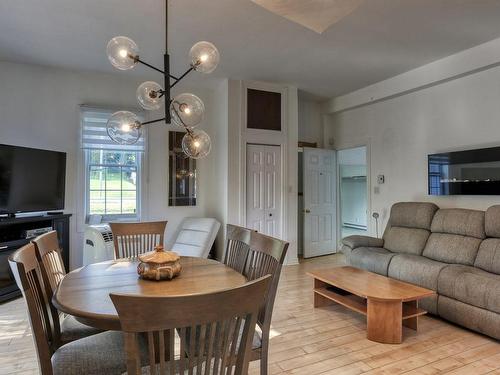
[412,214]
[420,271]
[492,221]
[362,241]
[408,227]
[479,320]
[459,221]
[452,248]
[456,236]
[374,259]
[471,285]
[406,240]
[488,255]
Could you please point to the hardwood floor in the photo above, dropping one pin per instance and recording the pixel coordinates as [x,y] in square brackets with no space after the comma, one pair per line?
[327,340]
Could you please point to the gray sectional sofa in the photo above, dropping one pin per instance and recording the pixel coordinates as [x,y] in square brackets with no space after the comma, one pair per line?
[455,252]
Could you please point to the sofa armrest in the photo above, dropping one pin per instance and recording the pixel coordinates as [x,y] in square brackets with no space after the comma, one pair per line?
[362,241]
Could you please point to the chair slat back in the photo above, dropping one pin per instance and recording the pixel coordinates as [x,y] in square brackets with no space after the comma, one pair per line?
[26,269]
[133,239]
[237,247]
[266,256]
[220,325]
[52,271]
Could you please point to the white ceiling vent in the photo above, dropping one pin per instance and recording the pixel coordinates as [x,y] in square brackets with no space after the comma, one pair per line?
[317,15]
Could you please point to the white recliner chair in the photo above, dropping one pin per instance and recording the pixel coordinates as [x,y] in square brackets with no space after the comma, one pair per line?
[195,236]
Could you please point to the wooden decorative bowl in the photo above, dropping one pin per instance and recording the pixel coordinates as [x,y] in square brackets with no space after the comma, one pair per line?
[159,265]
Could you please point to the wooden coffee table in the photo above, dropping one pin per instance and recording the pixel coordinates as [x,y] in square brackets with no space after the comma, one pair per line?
[388,304]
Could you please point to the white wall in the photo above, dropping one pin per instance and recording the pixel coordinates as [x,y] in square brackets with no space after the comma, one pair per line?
[39,107]
[457,114]
[310,121]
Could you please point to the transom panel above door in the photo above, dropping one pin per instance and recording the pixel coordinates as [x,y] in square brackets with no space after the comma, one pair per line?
[263,193]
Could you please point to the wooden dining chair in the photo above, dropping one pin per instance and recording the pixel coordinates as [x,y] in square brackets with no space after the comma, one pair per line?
[133,239]
[97,354]
[224,322]
[265,256]
[237,247]
[64,328]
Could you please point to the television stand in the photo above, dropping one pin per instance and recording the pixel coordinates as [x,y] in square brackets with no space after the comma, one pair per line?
[12,237]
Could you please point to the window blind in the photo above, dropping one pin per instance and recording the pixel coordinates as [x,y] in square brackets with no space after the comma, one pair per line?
[95,136]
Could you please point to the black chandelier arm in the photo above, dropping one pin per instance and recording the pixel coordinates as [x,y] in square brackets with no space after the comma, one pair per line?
[137,59]
[152,121]
[177,80]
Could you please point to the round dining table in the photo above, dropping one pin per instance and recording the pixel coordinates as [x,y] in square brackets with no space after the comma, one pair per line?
[84,292]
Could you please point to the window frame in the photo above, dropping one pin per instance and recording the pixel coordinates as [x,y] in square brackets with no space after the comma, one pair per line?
[139,176]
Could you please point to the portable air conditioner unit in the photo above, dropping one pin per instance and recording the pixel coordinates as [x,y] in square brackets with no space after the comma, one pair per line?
[98,244]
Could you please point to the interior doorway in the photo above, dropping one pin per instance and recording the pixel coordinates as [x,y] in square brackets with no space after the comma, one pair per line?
[353,191]
[317,202]
[264,189]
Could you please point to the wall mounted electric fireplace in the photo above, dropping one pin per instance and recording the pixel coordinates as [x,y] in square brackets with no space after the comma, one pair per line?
[471,172]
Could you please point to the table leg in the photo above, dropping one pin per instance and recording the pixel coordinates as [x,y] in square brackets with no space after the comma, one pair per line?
[384,321]
[411,322]
[319,300]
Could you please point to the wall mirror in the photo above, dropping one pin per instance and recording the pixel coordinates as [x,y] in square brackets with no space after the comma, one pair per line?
[181,172]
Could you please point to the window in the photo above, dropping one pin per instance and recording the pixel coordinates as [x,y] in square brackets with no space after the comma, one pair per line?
[112,171]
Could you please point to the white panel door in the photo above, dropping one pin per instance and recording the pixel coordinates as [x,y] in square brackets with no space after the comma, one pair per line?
[264,189]
[319,176]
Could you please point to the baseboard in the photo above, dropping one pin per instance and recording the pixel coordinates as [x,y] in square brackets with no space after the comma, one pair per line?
[292,261]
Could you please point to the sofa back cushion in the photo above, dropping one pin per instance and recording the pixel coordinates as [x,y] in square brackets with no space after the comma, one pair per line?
[488,256]
[456,236]
[408,227]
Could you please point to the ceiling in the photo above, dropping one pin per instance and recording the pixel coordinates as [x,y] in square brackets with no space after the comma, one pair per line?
[378,40]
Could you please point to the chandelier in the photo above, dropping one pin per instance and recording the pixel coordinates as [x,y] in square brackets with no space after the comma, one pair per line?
[185,110]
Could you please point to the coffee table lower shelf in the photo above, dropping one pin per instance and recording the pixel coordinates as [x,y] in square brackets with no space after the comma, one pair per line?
[359,304]
[384,318]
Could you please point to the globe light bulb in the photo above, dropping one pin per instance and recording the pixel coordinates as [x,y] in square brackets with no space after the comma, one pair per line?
[150,95]
[124,127]
[122,52]
[204,57]
[196,144]
[187,110]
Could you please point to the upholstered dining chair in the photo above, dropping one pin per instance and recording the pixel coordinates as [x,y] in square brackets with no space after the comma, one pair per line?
[237,247]
[224,322]
[64,328]
[195,236]
[97,354]
[133,239]
[265,256]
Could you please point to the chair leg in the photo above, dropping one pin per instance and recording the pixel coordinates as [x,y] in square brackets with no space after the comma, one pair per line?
[263,364]
[264,358]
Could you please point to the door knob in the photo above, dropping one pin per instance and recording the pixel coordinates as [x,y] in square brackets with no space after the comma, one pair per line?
[307,211]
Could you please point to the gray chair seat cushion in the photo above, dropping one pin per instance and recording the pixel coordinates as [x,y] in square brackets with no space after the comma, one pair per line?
[72,329]
[374,259]
[471,285]
[420,271]
[147,371]
[99,354]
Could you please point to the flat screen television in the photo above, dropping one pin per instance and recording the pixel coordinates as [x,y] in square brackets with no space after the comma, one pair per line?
[470,172]
[31,180]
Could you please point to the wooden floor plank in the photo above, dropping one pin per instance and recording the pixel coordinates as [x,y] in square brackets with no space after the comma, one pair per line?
[308,341]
